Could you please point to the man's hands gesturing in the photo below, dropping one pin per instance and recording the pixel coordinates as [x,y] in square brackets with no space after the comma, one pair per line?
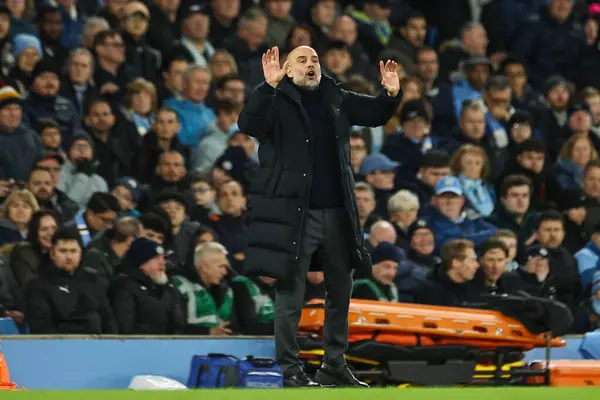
[271,67]
[389,77]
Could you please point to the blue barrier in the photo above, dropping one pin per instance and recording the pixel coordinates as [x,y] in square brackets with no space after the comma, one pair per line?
[88,363]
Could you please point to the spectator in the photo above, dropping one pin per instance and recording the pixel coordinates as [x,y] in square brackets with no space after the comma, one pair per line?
[209,301]
[338,62]
[510,240]
[231,224]
[497,98]
[104,254]
[135,23]
[472,167]
[144,301]
[365,201]
[222,64]
[381,231]
[44,101]
[591,96]
[379,172]
[591,188]
[129,193]
[164,25]
[78,177]
[411,35]
[99,216]
[473,42]
[380,287]
[29,255]
[16,213]
[345,29]
[171,85]
[223,20]
[435,164]
[534,274]
[280,21]
[141,103]
[73,17]
[563,266]
[28,52]
[64,300]
[515,211]
[195,26]
[204,192]
[254,301]
[234,164]
[49,21]
[19,146]
[78,86]
[587,260]
[155,228]
[451,284]
[374,28]
[422,246]
[476,73]
[11,297]
[556,31]
[579,121]
[403,208]
[358,152]
[572,204]
[448,219]
[49,131]
[322,18]
[52,162]
[7,58]
[523,95]
[41,185]
[550,115]
[301,35]
[247,45]
[92,27]
[171,174]
[575,154]
[194,116]
[21,13]
[229,87]
[520,128]
[493,260]
[113,12]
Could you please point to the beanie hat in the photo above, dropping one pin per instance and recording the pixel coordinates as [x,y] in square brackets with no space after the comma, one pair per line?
[234,161]
[386,252]
[532,252]
[8,95]
[132,185]
[571,198]
[23,41]
[141,251]
[552,82]
[44,66]
[174,195]
[419,224]
[79,136]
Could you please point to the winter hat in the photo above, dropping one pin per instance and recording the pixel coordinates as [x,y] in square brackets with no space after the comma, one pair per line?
[8,95]
[533,251]
[571,198]
[23,41]
[521,117]
[419,224]
[169,194]
[414,109]
[44,66]
[132,185]
[79,136]
[141,251]
[574,107]
[552,82]
[234,161]
[386,252]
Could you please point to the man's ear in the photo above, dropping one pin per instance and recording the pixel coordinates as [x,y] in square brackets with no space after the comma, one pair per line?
[288,71]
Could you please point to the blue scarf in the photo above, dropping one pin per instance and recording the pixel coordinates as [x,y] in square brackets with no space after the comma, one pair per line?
[478,195]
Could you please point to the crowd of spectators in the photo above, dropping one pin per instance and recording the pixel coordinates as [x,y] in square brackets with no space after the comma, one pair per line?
[125,180]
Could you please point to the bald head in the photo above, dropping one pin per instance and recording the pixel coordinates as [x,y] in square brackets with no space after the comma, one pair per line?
[345,30]
[304,68]
[382,231]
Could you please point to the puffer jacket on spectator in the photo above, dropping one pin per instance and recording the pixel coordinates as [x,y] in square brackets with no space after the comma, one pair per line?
[568,175]
[440,290]
[25,262]
[565,275]
[18,153]
[79,186]
[195,118]
[99,259]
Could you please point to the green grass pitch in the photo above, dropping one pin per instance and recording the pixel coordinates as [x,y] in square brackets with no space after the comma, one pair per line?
[537,393]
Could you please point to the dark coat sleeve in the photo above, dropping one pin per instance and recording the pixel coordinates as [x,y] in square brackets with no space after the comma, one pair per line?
[363,292]
[177,321]
[246,312]
[109,325]
[24,265]
[430,293]
[255,119]
[39,312]
[371,111]
[123,303]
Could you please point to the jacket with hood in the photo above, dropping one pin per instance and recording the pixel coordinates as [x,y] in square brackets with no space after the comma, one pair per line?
[18,152]
[79,186]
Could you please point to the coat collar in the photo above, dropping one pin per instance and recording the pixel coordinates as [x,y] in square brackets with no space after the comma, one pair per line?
[327,87]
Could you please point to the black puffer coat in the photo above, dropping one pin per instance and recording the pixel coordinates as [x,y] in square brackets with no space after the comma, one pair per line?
[280,192]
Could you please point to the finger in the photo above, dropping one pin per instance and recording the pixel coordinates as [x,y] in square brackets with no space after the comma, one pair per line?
[381,67]
[225,324]
[276,53]
[227,331]
[388,66]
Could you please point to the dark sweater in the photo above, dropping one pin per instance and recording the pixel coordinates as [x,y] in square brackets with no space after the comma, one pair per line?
[326,191]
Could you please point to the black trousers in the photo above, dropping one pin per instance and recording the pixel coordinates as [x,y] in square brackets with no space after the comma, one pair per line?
[326,233]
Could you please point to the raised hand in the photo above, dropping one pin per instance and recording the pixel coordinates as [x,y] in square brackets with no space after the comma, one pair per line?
[271,67]
[389,77]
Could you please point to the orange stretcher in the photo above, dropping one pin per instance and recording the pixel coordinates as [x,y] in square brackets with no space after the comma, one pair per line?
[407,325]
[569,373]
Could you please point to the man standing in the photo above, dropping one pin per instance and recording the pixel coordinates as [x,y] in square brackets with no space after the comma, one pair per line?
[303,201]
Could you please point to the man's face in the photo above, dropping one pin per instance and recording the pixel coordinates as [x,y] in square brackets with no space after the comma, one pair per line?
[101,222]
[472,123]
[51,138]
[338,61]
[171,167]
[116,6]
[46,84]
[4,26]
[53,166]
[385,272]
[431,175]
[168,6]
[304,68]
[498,102]
[512,246]
[226,9]
[80,69]
[156,237]
[478,40]
[423,242]
[235,90]
[113,49]
[100,118]
[256,32]
[594,103]
[415,31]
[66,255]
[155,268]
[41,185]
[517,200]
[358,151]
[174,76]
[428,66]
[478,75]
[196,26]
[520,132]
[11,117]
[381,180]
[558,97]
[580,121]
[532,161]
[52,25]
[345,30]
[466,267]
[136,25]
[494,264]
[214,268]
[449,204]
[28,59]
[551,234]
[231,199]
[279,9]
[591,183]
[204,195]
[125,197]
[365,203]
[196,89]
[166,125]
[416,128]
[560,9]
[517,76]
[323,13]
[175,210]
[81,150]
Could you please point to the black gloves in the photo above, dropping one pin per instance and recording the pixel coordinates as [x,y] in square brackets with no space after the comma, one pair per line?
[87,167]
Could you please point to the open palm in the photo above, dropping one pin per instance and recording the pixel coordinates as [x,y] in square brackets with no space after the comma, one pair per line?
[389,77]
[271,67]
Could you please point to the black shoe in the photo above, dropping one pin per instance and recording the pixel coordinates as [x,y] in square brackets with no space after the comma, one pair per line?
[328,375]
[299,380]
